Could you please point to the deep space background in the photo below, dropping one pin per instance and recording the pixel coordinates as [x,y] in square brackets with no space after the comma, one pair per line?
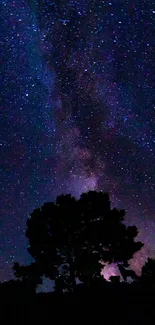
[77,112]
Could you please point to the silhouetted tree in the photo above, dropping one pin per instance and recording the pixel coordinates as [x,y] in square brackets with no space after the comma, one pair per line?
[148,273]
[127,273]
[69,238]
[29,276]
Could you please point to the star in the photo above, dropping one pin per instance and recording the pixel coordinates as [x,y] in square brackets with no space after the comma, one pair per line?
[77,113]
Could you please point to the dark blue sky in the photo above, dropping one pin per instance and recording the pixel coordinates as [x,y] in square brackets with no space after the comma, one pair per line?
[77,111]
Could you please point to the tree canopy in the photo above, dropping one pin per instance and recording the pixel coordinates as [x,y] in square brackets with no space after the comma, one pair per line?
[69,238]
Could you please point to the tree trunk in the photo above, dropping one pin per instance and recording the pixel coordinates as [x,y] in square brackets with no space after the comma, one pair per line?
[72,272]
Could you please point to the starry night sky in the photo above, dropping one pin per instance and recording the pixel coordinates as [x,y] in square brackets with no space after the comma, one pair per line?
[77,112]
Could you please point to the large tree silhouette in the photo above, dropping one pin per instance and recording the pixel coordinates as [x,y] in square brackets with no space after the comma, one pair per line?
[69,238]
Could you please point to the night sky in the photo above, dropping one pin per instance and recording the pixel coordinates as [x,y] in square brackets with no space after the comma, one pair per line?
[77,112]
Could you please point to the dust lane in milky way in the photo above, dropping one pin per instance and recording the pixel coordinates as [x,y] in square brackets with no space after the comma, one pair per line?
[77,111]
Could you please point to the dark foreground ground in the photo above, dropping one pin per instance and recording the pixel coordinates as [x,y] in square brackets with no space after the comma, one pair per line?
[112,304]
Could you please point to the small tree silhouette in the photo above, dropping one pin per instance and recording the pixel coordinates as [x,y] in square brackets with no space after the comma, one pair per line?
[69,238]
[148,273]
[29,275]
[127,273]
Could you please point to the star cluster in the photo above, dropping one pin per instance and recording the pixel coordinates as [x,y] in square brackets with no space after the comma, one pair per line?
[77,111]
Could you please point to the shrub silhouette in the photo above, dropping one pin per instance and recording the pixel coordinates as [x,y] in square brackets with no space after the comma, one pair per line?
[148,273]
[29,275]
